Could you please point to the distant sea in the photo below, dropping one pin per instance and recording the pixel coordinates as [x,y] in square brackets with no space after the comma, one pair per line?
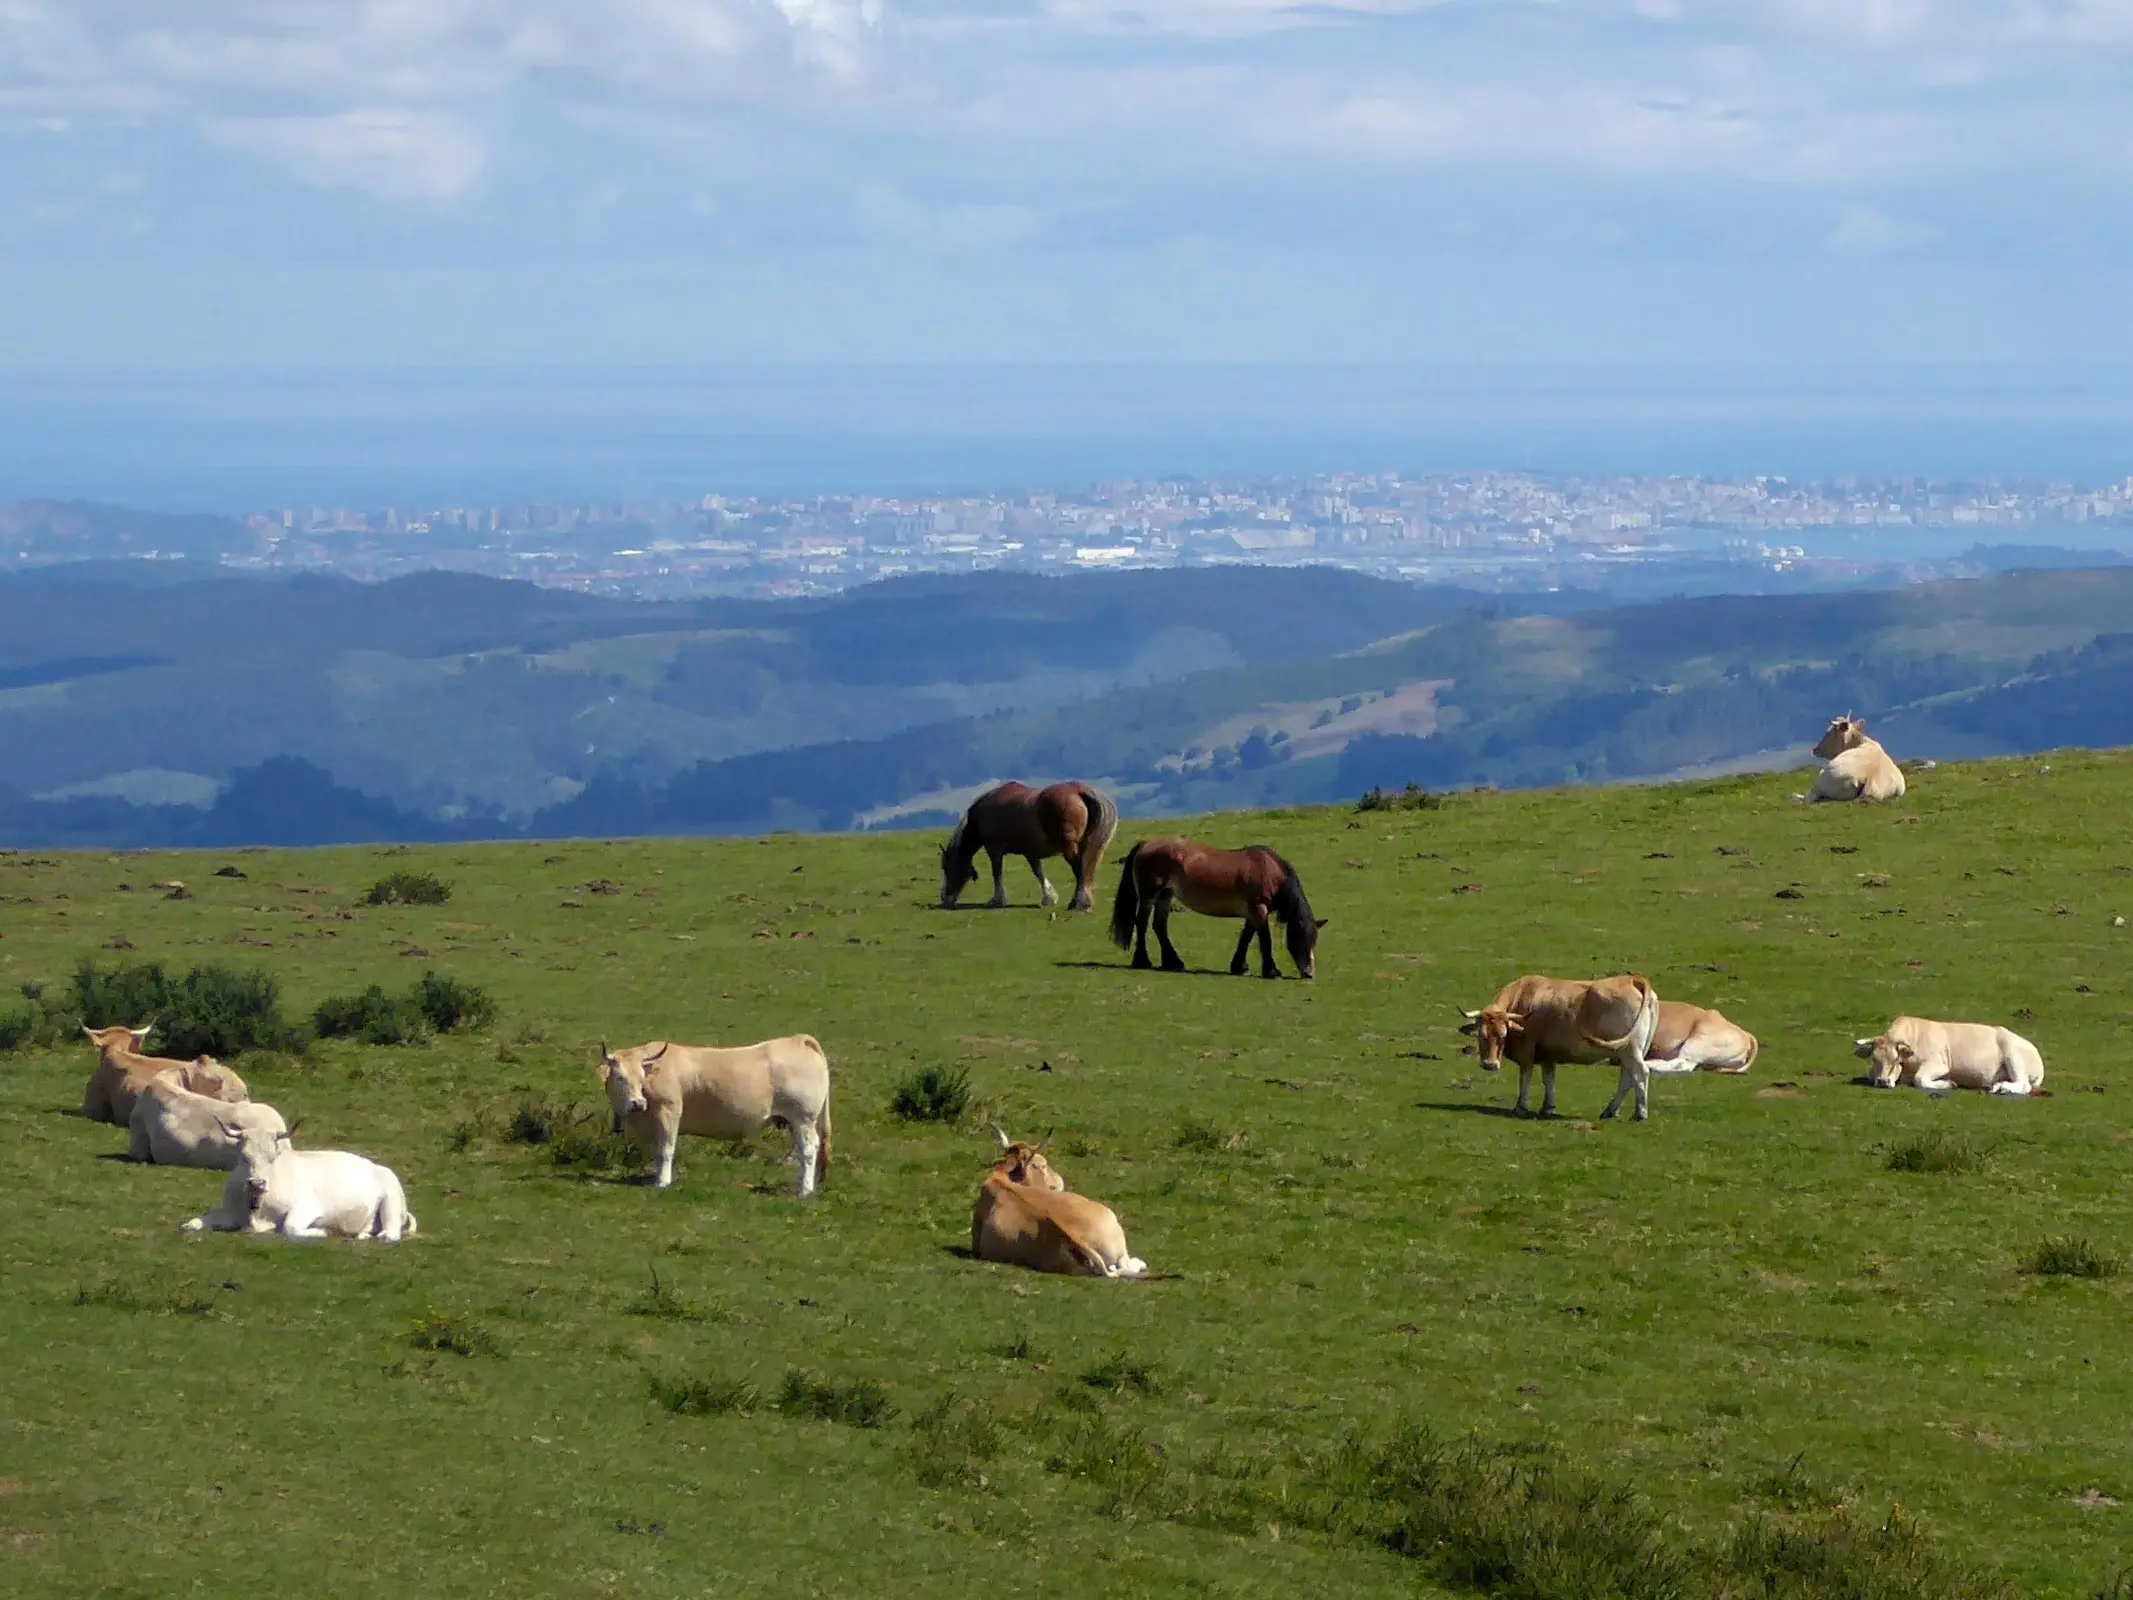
[236,441]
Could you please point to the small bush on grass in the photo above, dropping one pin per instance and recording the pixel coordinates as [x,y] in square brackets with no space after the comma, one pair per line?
[1205,1139]
[574,1136]
[450,1006]
[1119,1372]
[706,1397]
[2070,1257]
[18,1026]
[212,1010]
[1412,798]
[862,1404]
[446,1330]
[408,889]
[372,1017]
[1831,1557]
[932,1094]
[951,1442]
[1938,1150]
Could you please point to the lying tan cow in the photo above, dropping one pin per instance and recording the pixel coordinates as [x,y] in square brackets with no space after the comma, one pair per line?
[1859,769]
[1959,1055]
[660,1091]
[1025,1218]
[1547,1022]
[174,1127]
[122,1072]
[1697,1039]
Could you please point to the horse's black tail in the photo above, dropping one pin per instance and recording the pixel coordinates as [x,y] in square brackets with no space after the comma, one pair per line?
[1126,909]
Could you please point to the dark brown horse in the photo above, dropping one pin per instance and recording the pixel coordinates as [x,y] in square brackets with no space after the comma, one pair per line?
[1068,819]
[1254,884]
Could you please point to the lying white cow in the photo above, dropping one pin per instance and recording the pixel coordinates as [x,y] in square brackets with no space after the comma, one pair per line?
[307,1194]
[1961,1055]
[660,1091]
[174,1127]
[1697,1039]
[1859,769]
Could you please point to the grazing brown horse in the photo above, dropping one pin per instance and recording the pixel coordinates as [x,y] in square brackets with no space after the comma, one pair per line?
[1254,884]
[1068,819]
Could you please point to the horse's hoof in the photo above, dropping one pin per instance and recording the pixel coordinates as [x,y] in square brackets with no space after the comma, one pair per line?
[1142,964]
[1173,966]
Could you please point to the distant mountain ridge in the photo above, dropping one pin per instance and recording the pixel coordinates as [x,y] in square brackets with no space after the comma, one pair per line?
[317,709]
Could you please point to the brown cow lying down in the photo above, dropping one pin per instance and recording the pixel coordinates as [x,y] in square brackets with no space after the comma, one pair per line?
[1025,1217]
[1696,1039]
[1547,1022]
[122,1072]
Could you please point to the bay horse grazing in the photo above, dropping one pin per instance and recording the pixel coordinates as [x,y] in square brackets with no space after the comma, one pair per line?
[1254,883]
[1068,819]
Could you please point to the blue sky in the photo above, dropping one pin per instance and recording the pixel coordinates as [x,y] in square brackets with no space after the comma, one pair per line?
[566,182]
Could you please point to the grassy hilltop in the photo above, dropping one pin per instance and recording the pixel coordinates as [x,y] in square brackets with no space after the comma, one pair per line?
[1363,1237]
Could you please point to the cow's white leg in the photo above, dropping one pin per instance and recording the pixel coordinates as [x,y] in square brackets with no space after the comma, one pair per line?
[1642,1077]
[999,882]
[1548,1089]
[1685,1062]
[215,1222]
[664,1139]
[1931,1077]
[1525,1082]
[806,1145]
[1633,1077]
[1046,895]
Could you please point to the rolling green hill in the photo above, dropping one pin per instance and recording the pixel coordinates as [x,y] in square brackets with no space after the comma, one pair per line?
[1740,1315]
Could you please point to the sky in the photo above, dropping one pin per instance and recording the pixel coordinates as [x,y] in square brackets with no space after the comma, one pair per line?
[1818,184]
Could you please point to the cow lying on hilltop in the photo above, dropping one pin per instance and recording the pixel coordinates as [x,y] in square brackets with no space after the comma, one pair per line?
[1025,1217]
[660,1091]
[1859,769]
[122,1072]
[1697,1039]
[306,1194]
[1960,1055]
[1547,1022]
[173,1127]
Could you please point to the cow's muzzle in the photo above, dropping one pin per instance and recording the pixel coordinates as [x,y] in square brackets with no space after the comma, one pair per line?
[255,1191]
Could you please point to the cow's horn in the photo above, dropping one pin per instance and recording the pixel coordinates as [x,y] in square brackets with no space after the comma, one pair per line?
[604,1051]
[1005,1142]
[656,1054]
[1471,1016]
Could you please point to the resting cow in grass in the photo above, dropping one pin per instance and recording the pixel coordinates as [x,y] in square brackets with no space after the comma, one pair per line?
[306,1194]
[1547,1022]
[1859,769]
[1025,1217]
[174,1127]
[660,1091]
[122,1072]
[1951,1055]
[1697,1039]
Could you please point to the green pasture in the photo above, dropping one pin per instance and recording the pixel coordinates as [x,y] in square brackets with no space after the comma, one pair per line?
[1361,1236]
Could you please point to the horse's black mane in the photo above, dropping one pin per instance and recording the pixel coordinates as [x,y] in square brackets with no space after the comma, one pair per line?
[1290,903]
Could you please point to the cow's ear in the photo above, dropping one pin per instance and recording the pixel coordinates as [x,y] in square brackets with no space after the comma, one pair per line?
[1862,1048]
[1904,1052]
[1324,923]
[1470,1027]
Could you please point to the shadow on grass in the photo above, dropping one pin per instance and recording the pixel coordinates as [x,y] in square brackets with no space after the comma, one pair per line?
[1124,969]
[1508,1113]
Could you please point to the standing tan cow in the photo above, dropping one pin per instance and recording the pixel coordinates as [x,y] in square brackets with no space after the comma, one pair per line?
[1697,1039]
[122,1072]
[1025,1217]
[1859,769]
[659,1091]
[1959,1055]
[1545,1022]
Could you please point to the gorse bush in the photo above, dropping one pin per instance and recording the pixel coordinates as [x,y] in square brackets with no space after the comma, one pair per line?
[372,1017]
[19,1026]
[1412,798]
[211,1010]
[450,1006]
[932,1094]
[573,1135]
[408,889]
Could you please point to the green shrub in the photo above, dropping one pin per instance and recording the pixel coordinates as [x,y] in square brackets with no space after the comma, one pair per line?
[573,1136]
[706,1397]
[212,1010]
[446,1330]
[2070,1257]
[373,1017]
[863,1404]
[951,1442]
[1831,1557]
[19,1027]
[1412,798]
[408,889]
[932,1094]
[449,1005]
[1119,1372]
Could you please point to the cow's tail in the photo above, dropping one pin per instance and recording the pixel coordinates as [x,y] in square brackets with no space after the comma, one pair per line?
[1755,1048]
[1126,908]
[1646,1024]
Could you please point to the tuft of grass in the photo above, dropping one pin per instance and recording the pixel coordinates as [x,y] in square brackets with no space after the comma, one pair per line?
[408,889]
[1832,1557]
[2070,1257]
[952,1441]
[1119,1372]
[181,1300]
[455,1332]
[706,1397]
[1021,1348]
[661,1301]
[1938,1150]
[860,1404]
[932,1094]
[1128,1471]
[1206,1139]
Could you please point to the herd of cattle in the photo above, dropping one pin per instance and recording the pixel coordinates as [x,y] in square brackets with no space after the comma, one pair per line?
[199,1114]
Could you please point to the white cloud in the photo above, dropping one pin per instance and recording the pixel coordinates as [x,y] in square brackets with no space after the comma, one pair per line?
[399,155]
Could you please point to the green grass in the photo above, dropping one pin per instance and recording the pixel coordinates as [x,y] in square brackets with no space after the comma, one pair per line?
[1403,1320]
